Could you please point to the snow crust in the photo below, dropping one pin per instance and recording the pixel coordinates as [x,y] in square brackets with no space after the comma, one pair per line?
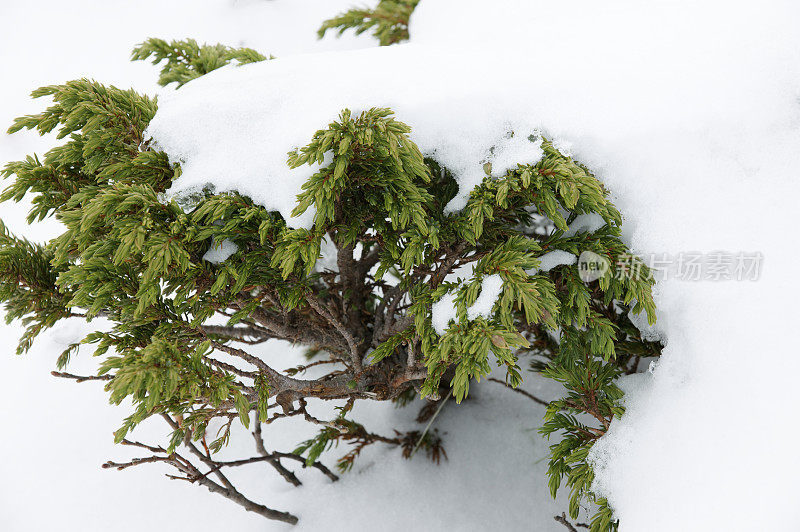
[689,113]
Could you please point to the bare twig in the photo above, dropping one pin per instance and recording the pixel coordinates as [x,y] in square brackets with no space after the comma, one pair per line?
[428,426]
[563,520]
[240,334]
[226,488]
[135,462]
[81,378]
[274,461]
[520,391]
[339,326]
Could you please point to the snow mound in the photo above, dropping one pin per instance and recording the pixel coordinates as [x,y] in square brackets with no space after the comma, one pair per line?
[231,129]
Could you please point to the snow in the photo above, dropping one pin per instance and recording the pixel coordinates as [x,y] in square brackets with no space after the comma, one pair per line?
[219,252]
[518,148]
[328,256]
[688,112]
[585,223]
[232,128]
[491,288]
[442,312]
[554,258]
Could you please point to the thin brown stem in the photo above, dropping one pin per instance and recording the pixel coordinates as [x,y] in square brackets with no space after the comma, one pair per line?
[520,391]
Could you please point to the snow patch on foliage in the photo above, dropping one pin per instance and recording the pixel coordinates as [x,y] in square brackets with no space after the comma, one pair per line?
[232,128]
[491,289]
[517,148]
[219,252]
[585,223]
[442,312]
[550,260]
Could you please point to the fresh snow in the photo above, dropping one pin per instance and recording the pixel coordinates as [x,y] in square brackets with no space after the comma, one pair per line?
[585,223]
[443,311]
[688,111]
[516,149]
[231,129]
[491,288]
[554,258]
[219,252]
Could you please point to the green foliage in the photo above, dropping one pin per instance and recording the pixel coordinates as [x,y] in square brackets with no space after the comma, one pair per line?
[130,255]
[28,287]
[388,21]
[186,60]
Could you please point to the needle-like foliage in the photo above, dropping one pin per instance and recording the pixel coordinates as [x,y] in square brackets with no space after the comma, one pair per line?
[388,21]
[182,61]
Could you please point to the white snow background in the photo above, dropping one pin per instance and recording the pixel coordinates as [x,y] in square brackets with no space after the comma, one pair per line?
[687,110]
